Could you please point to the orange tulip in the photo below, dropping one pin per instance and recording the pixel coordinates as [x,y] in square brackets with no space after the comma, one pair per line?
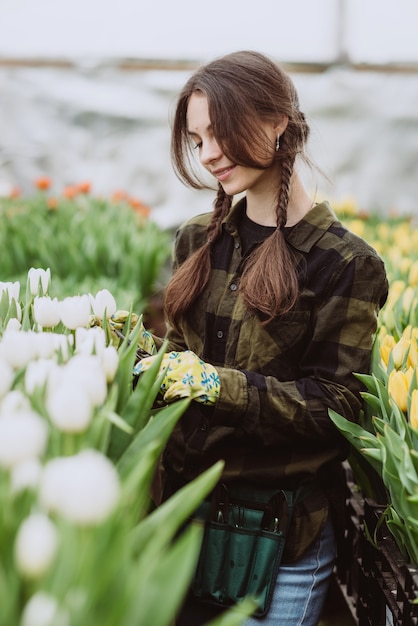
[43,183]
[70,192]
[52,203]
[84,187]
[139,207]
[14,192]
[119,196]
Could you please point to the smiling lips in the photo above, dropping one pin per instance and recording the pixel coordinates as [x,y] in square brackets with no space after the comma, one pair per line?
[223,173]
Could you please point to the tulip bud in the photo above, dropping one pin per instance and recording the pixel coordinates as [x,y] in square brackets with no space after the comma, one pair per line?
[12,289]
[385,348]
[409,300]
[18,347]
[86,371]
[413,274]
[36,544]
[110,361]
[75,311]
[37,373]
[46,311]
[90,340]
[13,324]
[83,488]
[23,435]
[39,281]
[400,351]
[398,387]
[25,475]
[103,303]
[43,609]
[68,403]
[6,377]
[413,409]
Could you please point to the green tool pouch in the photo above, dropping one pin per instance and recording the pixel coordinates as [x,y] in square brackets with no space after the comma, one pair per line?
[242,547]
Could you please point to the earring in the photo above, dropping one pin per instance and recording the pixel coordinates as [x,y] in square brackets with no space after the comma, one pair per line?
[277,143]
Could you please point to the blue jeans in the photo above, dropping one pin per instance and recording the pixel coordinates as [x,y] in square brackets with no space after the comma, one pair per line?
[299,595]
[302,587]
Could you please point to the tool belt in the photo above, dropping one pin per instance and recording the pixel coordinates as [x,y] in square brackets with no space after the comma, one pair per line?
[243,545]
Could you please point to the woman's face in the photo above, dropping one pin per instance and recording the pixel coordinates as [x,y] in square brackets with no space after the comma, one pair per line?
[234,178]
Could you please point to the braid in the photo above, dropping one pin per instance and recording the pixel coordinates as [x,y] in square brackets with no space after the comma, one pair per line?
[221,205]
[283,200]
[269,283]
[189,280]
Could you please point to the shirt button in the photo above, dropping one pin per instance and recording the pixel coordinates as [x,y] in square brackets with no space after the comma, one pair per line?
[233,287]
[220,334]
[237,245]
[203,427]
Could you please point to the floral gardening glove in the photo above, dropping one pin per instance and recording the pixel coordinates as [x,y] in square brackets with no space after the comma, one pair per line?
[145,340]
[187,376]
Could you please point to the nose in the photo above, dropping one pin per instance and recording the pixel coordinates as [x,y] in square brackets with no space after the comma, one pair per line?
[210,151]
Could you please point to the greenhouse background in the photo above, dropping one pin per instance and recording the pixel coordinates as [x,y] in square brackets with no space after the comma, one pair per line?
[87,88]
[87,194]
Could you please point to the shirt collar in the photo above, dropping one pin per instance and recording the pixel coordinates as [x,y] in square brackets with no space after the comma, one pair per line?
[303,235]
[306,233]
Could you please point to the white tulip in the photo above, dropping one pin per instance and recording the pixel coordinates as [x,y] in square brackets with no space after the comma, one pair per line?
[35,546]
[23,436]
[103,303]
[43,609]
[69,405]
[62,344]
[83,488]
[25,475]
[14,402]
[37,374]
[75,311]
[46,311]
[44,345]
[13,324]
[90,340]
[18,347]
[15,314]
[86,370]
[6,377]
[13,290]
[39,280]
[110,362]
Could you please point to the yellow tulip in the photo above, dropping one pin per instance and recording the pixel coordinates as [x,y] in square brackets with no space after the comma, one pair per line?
[413,274]
[398,387]
[387,344]
[400,351]
[413,409]
[409,299]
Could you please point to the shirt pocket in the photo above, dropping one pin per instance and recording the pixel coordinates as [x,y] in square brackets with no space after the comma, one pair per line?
[275,347]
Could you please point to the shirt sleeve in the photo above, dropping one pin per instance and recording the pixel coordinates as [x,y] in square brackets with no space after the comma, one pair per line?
[343,328]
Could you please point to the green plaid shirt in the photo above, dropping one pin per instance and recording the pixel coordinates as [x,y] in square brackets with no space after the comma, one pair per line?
[271,424]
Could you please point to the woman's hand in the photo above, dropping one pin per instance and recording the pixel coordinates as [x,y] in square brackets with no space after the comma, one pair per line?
[186,376]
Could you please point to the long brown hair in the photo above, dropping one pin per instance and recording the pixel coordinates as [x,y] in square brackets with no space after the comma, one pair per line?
[243,89]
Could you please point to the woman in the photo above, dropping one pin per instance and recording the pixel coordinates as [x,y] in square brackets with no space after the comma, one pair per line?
[271,308]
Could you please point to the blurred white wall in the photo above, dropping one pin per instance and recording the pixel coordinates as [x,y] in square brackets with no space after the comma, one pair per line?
[87,87]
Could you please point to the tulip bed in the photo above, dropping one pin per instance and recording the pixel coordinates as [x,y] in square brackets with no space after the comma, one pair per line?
[385,443]
[87,241]
[81,541]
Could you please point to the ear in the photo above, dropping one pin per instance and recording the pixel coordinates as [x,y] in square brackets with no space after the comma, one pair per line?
[281,124]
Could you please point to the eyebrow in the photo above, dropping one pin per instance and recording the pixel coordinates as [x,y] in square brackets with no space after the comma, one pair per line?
[208,128]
